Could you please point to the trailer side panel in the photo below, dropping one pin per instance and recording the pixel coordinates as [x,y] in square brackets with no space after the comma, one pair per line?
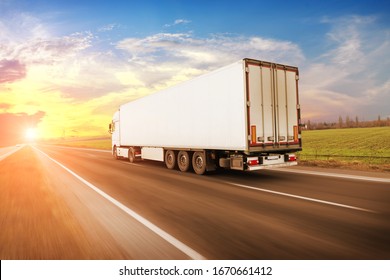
[202,113]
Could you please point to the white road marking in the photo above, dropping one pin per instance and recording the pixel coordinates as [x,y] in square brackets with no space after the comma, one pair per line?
[336,175]
[163,234]
[10,152]
[303,198]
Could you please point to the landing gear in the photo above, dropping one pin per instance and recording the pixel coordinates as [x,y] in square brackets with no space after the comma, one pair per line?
[131,155]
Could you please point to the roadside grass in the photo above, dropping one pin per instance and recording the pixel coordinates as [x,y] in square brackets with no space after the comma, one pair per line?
[353,148]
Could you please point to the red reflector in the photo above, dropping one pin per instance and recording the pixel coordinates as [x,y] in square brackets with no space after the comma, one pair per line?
[253,162]
[292,158]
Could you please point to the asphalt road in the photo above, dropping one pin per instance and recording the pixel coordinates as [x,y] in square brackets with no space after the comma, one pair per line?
[67,203]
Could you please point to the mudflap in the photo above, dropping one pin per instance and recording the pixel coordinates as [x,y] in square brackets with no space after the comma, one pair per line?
[211,164]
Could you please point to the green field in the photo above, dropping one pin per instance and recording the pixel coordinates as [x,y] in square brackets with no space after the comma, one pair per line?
[354,148]
[362,148]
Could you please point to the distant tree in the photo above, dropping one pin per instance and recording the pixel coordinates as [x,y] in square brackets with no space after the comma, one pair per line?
[379,121]
[340,122]
[313,125]
[348,122]
[308,125]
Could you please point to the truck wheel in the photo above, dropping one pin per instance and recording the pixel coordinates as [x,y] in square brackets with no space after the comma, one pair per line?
[183,161]
[115,153]
[131,155]
[199,163]
[170,159]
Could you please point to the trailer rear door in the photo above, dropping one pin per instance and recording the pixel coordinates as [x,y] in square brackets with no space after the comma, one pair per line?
[273,108]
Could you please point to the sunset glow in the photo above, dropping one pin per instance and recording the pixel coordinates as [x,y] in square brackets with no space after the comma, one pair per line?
[65,67]
[31,134]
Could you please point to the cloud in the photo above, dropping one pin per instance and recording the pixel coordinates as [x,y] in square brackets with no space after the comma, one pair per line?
[108,27]
[29,40]
[19,28]
[161,57]
[178,22]
[57,63]
[11,70]
[216,49]
[351,77]
[49,51]
[181,21]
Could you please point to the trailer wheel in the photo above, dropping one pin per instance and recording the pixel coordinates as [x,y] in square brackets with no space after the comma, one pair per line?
[199,163]
[183,161]
[131,155]
[170,159]
[115,153]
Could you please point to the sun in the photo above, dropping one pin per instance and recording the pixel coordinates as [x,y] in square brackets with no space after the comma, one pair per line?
[31,134]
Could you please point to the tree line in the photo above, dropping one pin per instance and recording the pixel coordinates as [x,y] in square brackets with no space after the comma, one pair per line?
[347,122]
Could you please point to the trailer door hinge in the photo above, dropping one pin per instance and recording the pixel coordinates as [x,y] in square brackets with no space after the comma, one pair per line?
[248,103]
[247,69]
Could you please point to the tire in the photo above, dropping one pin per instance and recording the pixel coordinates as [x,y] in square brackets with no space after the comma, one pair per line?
[183,161]
[115,153]
[199,162]
[170,159]
[131,155]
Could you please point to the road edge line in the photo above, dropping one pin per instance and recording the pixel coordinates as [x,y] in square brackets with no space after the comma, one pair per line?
[2,157]
[160,232]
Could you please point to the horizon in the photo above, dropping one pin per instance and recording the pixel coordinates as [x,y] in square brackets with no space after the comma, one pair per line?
[65,67]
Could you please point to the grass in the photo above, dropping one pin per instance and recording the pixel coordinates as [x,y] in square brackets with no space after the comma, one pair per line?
[356,148]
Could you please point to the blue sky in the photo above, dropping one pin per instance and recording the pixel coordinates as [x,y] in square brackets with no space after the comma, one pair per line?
[95,55]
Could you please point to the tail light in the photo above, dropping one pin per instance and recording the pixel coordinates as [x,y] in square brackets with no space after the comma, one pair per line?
[292,157]
[252,162]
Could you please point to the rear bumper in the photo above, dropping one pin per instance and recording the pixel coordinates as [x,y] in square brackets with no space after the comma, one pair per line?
[270,166]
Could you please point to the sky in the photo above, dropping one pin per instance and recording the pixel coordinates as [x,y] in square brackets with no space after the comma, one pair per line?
[66,66]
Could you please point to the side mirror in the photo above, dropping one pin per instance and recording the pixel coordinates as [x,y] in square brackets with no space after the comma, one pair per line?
[110,128]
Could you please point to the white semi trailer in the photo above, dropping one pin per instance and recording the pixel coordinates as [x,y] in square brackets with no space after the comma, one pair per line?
[245,116]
